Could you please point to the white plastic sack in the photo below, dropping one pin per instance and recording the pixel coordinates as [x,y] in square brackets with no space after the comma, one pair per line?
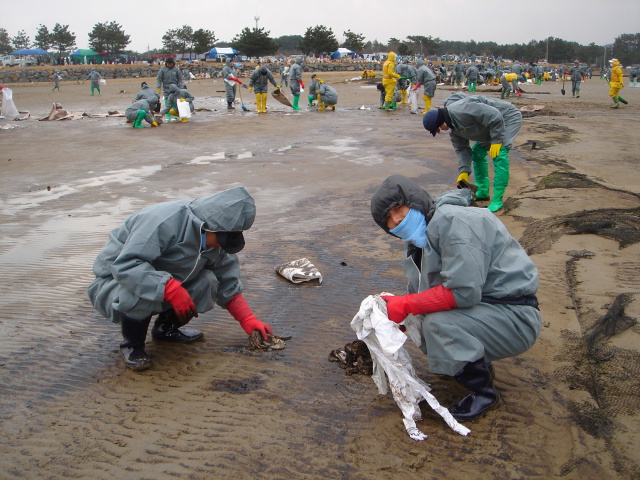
[184,111]
[103,81]
[386,345]
[9,110]
[413,100]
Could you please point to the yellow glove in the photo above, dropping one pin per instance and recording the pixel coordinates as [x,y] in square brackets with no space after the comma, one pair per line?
[463,177]
[250,89]
[277,86]
[154,124]
[158,90]
[182,99]
[494,150]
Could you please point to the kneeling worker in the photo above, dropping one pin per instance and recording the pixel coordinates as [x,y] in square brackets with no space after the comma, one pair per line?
[471,286]
[175,260]
[138,111]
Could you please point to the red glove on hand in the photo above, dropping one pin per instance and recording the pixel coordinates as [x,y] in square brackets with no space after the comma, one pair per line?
[235,79]
[180,301]
[435,299]
[301,84]
[240,310]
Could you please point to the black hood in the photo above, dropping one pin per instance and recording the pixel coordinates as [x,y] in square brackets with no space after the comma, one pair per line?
[399,190]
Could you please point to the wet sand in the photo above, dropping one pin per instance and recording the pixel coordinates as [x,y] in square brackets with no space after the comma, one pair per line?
[216,410]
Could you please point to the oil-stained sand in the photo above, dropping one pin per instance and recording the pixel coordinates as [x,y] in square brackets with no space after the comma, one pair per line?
[215,409]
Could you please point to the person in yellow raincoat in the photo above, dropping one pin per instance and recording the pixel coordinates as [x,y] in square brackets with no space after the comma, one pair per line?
[615,84]
[389,79]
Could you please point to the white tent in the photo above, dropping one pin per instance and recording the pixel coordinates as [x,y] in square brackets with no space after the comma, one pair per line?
[341,53]
[228,51]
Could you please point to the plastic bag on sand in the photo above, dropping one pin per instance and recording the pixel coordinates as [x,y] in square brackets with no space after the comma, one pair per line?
[184,110]
[9,110]
[301,270]
[386,344]
[103,81]
[413,100]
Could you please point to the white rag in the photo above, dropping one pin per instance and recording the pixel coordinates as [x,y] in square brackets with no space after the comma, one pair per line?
[386,345]
[301,270]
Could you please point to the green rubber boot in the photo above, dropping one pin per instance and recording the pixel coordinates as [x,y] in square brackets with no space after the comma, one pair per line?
[480,170]
[500,179]
[137,123]
[311,98]
[296,98]
[616,102]
[92,88]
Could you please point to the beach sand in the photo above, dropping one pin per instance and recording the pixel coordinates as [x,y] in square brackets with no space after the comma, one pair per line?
[215,409]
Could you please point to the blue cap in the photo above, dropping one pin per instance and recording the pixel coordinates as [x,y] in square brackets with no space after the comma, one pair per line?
[432,120]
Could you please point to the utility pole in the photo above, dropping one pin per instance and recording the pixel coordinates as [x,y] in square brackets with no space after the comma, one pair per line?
[256,19]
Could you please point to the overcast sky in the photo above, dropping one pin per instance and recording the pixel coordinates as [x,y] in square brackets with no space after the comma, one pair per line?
[582,21]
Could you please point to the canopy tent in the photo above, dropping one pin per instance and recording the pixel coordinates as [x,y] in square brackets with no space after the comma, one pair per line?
[228,51]
[341,53]
[85,52]
[30,51]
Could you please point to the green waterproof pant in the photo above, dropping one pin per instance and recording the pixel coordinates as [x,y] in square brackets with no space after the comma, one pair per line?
[481,174]
[480,170]
[500,179]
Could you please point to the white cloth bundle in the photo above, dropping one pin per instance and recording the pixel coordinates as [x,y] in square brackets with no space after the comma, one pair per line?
[386,345]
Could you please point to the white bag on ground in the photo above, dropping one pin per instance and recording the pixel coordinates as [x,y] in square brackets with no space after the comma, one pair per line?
[386,345]
[413,100]
[103,81]
[9,110]
[184,111]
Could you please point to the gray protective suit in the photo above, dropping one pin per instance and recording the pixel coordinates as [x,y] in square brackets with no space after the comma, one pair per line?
[229,85]
[167,77]
[517,68]
[260,83]
[175,96]
[164,241]
[95,78]
[402,69]
[149,95]
[131,113]
[426,77]
[482,119]
[295,75]
[470,252]
[328,94]
[472,74]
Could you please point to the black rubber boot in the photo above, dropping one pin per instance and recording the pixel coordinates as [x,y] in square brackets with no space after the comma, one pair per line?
[475,376]
[134,333]
[167,328]
[230,106]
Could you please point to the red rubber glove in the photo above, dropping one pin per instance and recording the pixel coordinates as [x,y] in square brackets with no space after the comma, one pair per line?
[301,84]
[180,301]
[240,310]
[235,79]
[435,299]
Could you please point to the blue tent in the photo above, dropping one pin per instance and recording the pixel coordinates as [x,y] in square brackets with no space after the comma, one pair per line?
[228,51]
[30,51]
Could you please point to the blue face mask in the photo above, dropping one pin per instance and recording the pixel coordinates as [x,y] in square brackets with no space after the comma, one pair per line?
[413,229]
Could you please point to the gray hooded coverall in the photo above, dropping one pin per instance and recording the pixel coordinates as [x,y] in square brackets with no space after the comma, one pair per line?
[164,241]
[470,252]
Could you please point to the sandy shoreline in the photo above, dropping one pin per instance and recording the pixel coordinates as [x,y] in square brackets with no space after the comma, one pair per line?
[215,410]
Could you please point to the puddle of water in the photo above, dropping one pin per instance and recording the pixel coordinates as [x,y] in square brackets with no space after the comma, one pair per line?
[350,149]
[37,198]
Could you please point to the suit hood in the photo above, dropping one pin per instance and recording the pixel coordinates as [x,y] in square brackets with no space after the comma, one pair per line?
[232,210]
[399,190]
